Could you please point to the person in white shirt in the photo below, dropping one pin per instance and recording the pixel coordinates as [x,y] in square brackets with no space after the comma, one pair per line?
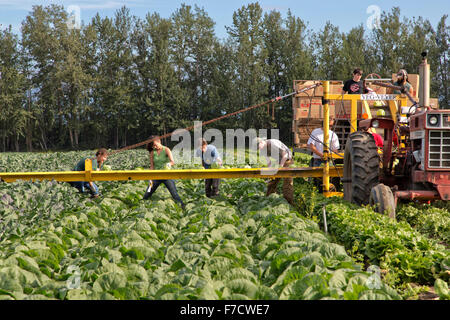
[315,144]
[282,154]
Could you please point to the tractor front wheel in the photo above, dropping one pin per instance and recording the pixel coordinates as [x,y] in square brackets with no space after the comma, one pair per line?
[361,167]
[382,198]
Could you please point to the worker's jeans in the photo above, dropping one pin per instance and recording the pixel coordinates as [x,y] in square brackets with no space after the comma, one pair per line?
[317,182]
[170,184]
[212,187]
[288,186]
[315,162]
[84,186]
[335,181]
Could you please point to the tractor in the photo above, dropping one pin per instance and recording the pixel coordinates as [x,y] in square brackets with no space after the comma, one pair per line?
[414,163]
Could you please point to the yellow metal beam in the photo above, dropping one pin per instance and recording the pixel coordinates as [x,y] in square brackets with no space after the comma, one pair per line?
[393,109]
[326,135]
[262,173]
[357,97]
[333,194]
[367,109]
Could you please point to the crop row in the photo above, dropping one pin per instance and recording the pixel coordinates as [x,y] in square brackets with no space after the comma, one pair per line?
[404,254]
[430,220]
[58,244]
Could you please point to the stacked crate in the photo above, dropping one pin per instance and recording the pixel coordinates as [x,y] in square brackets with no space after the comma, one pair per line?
[308,109]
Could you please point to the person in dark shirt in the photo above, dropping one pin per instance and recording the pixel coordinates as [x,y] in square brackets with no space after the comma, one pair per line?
[210,156]
[100,157]
[355,85]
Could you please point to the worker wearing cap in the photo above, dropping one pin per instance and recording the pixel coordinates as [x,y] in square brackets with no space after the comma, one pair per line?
[402,81]
[277,150]
[97,163]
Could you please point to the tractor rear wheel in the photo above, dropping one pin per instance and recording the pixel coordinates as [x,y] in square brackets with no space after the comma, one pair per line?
[382,198]
[361,167]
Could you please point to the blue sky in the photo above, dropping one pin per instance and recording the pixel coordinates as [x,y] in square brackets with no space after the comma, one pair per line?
[344,14]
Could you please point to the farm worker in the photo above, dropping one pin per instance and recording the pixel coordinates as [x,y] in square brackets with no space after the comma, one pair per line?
[315,144]
[355,85]
[282,154]
[378,139]
[161,158]
[210,156]
[402,81]
[100,157]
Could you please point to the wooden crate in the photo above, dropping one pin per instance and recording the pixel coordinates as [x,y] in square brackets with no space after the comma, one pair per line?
[303,128]
[301,84]
[434,103]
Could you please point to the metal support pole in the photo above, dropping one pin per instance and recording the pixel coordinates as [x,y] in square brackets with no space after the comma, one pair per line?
[326,139]
[424,83]
[88,169]
[324,212]
[354,115]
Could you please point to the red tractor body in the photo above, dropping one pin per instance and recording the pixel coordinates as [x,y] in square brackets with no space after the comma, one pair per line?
[430,139]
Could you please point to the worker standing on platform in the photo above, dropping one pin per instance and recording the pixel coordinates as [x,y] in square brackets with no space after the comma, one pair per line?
[210,156]
[277,150]
[402,81]
[355,85]
[161,158]
[316,143]
[97,163]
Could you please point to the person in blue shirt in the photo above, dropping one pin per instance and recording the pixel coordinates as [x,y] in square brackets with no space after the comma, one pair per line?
[210,156]
[97,163]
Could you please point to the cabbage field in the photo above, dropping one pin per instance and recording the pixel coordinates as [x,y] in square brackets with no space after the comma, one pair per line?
[56,243]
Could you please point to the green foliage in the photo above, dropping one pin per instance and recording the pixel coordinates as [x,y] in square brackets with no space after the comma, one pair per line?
[429,220]
[119,79]
[405,253]
[56,243]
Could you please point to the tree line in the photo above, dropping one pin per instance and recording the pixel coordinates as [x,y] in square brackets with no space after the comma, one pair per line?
[117,80]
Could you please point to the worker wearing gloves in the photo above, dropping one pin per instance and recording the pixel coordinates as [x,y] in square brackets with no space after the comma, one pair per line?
[277,150]
[315,144]
[97,163]
[161,158]
[209,156]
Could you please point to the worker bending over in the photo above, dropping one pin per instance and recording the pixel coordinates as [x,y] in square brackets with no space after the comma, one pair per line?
[277,150]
